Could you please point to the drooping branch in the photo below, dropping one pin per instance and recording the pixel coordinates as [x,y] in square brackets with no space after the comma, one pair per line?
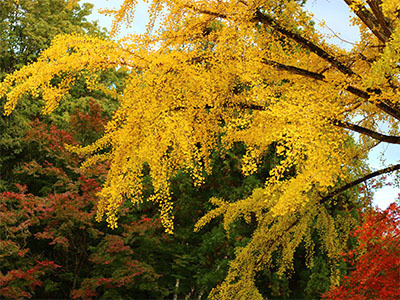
[362,130]
[360,180]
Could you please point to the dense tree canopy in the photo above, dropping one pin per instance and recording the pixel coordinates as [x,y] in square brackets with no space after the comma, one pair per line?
[215,73]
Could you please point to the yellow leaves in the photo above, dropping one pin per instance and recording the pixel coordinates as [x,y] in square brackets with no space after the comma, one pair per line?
[253,204]
[222,205]
[250,161]
[187,91]
[124,14]
[201,81]
[391,9]
[53,94]
[387,65]
[72,3]
[68,56]
[356,4]
[278,237]
[163,198]
[197,169]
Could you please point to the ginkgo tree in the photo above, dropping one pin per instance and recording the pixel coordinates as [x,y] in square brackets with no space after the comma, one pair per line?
[214,73]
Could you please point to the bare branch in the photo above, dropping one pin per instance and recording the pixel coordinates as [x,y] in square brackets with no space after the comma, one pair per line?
[335,34]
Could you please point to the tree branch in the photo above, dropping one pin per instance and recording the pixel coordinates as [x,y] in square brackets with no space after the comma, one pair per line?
[268,20]
[294,70]
[369,20]
[365,15]
[351,89]
[375,7]
[360,180]
[240,105]
[362,130]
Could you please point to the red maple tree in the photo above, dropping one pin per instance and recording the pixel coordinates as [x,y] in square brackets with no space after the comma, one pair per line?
[376,260]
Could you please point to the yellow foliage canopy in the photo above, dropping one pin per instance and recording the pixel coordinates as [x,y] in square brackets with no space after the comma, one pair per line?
[217,72]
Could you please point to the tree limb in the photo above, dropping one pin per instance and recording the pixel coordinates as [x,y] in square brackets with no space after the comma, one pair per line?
[355,91]
[268,20]
[294,70]
[362,130]
[375,7]
[360,180]
[369,20]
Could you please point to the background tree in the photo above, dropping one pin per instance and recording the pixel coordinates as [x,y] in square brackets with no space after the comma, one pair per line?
[50,244]
[27,28]
[376,260]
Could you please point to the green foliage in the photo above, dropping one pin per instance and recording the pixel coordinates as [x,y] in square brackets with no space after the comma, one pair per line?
[26,29]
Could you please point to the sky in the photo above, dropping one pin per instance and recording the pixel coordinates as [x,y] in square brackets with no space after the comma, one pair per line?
[336,15]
